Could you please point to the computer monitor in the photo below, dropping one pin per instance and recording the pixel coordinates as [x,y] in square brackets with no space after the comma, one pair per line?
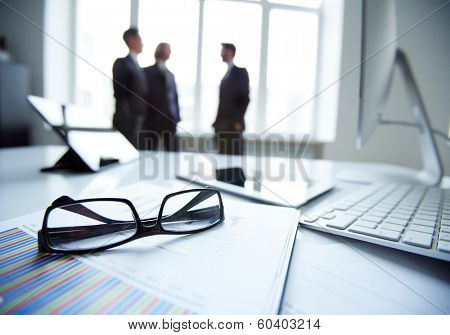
[379,56]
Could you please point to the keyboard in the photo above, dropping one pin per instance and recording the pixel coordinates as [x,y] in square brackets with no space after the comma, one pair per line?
[412,218]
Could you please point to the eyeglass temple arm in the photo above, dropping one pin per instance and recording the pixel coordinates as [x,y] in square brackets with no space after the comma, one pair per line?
[194,201]
[81,210]
[75,233]
[113,225]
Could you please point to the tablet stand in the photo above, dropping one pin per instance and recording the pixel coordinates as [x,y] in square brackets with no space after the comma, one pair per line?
[69,161]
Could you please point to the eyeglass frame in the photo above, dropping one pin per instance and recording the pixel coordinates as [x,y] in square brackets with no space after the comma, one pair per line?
[141,229]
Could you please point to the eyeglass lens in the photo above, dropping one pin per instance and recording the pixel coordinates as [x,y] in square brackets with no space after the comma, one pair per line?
[191,211]
[90,225]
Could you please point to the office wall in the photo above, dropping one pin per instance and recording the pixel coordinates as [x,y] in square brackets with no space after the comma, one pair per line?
[59,42]
[26,44]
[25,41]
[428,49]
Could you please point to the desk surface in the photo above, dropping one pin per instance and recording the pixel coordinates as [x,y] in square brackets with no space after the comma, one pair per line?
[328,274]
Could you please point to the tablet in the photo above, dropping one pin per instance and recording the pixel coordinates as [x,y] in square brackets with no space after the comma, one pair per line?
[261,183]
[91,141]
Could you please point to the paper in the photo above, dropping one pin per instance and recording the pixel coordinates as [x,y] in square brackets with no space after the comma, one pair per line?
[330,275]
[237,267]
[35,283]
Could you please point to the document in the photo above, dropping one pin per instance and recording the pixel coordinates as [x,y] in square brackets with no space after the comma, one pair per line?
[322,279]
[238,267]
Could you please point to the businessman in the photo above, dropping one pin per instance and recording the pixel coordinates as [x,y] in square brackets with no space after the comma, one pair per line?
[233,101]
[130,89]
[164,111]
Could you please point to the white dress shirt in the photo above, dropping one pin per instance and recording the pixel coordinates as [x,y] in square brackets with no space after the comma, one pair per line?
[133,56]
[230,66]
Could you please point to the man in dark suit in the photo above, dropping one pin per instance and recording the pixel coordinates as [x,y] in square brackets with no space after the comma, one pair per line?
[130,89]
[233,101]
[164,111]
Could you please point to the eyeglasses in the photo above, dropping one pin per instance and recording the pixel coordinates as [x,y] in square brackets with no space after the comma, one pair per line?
[82,226]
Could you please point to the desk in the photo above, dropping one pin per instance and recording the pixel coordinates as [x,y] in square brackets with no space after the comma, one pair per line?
[328,274]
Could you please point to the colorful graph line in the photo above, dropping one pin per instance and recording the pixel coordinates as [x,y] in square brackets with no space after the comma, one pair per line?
[40,283]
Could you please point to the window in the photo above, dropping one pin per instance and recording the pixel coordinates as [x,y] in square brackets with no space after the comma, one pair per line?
[304,3]
[174,22]
[229,22]
[99,28]
[276,40]
[291,70]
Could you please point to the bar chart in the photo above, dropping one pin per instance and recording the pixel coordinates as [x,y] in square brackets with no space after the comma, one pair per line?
[39,283]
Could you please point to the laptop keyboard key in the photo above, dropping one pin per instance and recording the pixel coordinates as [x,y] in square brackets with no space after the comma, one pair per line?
[394,227]
[341,221]
[444,246]
[400,222]
[445,229]
[400,216]
[444,237]
[365,223]
[418,239]
[422,229]
[380,233]
[354,212]
[372,218]
[424,223]
[426,217]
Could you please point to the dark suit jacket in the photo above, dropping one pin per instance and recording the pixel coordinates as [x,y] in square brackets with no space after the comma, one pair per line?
[130,108]
[159,85]
[233,99]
